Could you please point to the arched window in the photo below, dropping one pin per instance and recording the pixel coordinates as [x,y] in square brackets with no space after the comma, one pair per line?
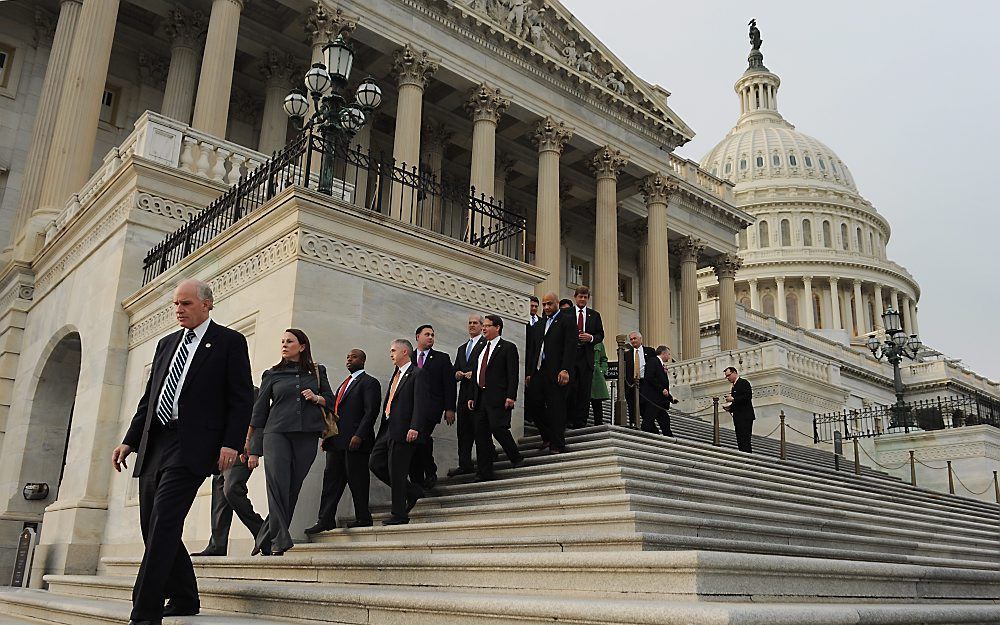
[760,161]
[742,239]
[776,160]
[809,161]
[822,163]
[792,308]
[861,242]
[844,237]
[871,313]
[833,166]
[817,312]
[729,167]
[792,161]
[854,315]
[871,243]
[715,171]
[767,304]
[807,233]
[763,236]
[827,235]
[786,233]
[743,164]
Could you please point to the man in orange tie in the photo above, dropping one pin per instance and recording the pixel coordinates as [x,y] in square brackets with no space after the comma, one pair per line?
[357,407]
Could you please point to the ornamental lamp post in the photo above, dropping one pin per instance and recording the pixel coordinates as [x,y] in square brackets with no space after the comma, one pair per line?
[895,346]
[334,119]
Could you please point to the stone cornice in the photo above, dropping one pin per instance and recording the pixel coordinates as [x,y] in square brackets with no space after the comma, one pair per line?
[824,266]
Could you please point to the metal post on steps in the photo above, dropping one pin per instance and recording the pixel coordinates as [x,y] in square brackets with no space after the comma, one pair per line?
[716,437]
[621,407]
[913,469]
[951,479]
[781,416]
[838,449]
[857,458]
[996,486]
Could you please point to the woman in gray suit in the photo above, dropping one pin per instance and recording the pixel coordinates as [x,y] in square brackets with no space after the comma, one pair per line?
[288,410]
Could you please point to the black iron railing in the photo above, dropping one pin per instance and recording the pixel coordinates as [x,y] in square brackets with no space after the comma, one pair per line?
[358,177]
[931,414]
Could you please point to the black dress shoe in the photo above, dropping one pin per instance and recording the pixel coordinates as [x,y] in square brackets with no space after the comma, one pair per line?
[516,463]
[208,552]
[485,478]
[135,622]
[460,471]
[320,527]
[174,610]
[395,521]
[355,524]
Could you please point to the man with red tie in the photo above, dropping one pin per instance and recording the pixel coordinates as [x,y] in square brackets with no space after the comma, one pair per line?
[347,453]
[494,395]
[589,331]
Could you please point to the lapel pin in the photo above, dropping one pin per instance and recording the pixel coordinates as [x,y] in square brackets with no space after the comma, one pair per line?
[207,345]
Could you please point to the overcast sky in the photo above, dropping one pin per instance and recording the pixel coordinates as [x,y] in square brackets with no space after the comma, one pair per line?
[905,91]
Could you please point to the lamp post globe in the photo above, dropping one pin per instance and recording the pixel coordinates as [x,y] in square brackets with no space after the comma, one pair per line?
[339,58]
[296,105]
[369,96]
[318,80]
[891,321]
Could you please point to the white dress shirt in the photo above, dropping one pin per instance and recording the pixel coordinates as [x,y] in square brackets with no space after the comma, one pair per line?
[576,318]
[192,347]
[354,376]
[402,370]
[491,347]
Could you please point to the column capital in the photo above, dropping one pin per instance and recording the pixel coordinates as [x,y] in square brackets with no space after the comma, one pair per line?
[277,67]
[834,280]
[152,70]
[551,135]
[779,280]
[857,282]
[657,188]
[726,265]
[185,28]
[690,249]
[44,29]
[434,135]
[413,67]
[322,25]
[504,165]
[637,230]
[807,279]
[486,103]
[753,281]
[608,162]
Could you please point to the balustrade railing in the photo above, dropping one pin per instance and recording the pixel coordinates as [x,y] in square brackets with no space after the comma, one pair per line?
[930,414]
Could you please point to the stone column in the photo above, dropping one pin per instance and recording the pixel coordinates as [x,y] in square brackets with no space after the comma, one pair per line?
[639,231]
[413,69]
[550,136]
[24,234]
[505,165]
[657,190]
[434,137]
[607,163]
[859,310]
[807,294]
[277,69]
[894,299]
[725,269]
[186,32]
[215,84]
[835,304]
[754,294]
[879,307]
[904,306]
[781,306]
[484,105]
[359,176]
[913,317]
[690,249]
[75,130]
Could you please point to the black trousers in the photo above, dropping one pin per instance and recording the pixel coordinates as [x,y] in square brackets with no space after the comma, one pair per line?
[485,433]
[597,407]
[423,466]
[744,432]
[345,468]
[580,385]
[390,462]
[655,418]
[548,403]
[466,425]
[287,459]
[166,491]
[633,416]
[230,494]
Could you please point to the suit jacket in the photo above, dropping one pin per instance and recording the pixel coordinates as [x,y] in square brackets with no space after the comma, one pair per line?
[466,387]
[654,383]
[559,343]
[501,382]
[594,326]
[629,357]
[406,413]
[213,406]
[358,411]
[742,395]
[438,385]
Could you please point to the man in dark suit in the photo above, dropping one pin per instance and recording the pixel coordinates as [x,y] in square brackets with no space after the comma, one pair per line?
[357,407]
[399,433]
[590,331]
[637,354]
[534,315]
[190,422]
[654,394]
[439,388]
[740,405]
[551,349]
[494,395]
[464,364]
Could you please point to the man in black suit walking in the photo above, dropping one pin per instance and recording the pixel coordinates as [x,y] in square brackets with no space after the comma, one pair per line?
[590,331]
[439,386]
[494,395]
[347,453]
[654,394]
[635,359]
[464,364]
[190,422]
[551,349]
[740,405]
[400,432]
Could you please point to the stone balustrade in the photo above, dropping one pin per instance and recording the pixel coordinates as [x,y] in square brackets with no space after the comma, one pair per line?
[170,143]
[750,360]
[690,172]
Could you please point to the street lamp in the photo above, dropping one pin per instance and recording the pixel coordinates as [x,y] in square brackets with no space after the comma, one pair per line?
[896,345]
[334,118]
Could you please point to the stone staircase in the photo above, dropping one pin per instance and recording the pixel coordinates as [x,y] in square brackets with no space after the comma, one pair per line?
[627,528]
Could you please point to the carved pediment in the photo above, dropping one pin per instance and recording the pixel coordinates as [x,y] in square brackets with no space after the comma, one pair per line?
[546,33]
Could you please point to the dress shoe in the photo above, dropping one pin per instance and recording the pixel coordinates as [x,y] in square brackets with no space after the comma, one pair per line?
[356,524]
[516,463]
[208,552]
[174,610]
[395,521]
[460,471]
[485,478]
[135,622]
[262,549]
[543,446]
[320,527]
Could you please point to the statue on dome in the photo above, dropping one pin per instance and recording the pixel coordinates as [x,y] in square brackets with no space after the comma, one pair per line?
[755,39]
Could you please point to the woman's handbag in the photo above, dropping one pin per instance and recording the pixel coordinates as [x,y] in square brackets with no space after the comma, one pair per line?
[329,418]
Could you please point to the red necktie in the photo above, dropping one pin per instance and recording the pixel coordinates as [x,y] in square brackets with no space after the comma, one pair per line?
[420,361]
[340,395]
[579,320]
[482,367]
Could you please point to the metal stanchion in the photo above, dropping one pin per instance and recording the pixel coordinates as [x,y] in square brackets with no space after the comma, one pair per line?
[857,458]
[621,408]
[996,486]
[913,470]
[951,479]
[716,437]
[781,416]
[838,449]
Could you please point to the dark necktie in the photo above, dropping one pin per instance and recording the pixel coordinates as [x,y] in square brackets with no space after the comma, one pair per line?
[420,360]
[482,367]
[579,320]
[165,407]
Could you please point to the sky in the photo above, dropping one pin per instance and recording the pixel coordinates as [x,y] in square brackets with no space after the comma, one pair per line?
[906,92]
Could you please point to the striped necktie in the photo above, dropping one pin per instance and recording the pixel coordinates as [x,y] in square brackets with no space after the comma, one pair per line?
[165,407]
